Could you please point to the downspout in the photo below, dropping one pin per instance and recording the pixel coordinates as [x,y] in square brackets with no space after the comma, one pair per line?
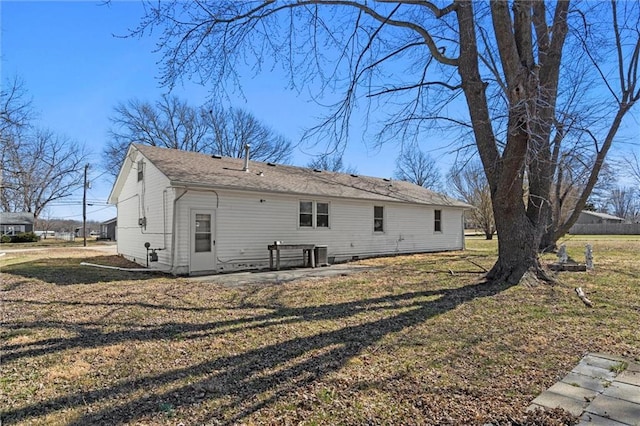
[173,229]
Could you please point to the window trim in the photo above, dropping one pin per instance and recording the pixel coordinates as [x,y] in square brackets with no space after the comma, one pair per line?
[314,214]
[300,213]
[380,231]
[328,214]
[437,221]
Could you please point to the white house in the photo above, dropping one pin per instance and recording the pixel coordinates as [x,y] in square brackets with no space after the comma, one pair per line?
[203,214]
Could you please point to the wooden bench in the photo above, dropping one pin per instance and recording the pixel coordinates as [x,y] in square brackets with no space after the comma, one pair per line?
[308,256]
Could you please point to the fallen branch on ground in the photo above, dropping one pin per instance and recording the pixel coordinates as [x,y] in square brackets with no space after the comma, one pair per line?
[583,297]
[478,265]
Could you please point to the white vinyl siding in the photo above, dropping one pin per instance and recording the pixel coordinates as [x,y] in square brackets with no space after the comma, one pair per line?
[245,226]
[148,201]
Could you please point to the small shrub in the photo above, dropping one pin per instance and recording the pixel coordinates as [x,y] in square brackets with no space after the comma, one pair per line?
[24,237]
[5,239]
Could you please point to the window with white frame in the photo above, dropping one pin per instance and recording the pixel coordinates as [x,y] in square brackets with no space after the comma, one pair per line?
[322,215]
[378,219]
[140,170]
[437,221]
[313,214]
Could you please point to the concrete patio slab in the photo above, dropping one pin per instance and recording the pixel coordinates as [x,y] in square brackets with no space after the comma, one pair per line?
[623,391]
[630,377]
[586,382]
[603,390]
[589,419]
[616,409]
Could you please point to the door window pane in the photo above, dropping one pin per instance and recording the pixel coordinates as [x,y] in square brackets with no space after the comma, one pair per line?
[203,233]
[203,243]
[203,223]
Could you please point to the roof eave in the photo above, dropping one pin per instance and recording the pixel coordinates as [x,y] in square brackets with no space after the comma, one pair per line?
[204,186]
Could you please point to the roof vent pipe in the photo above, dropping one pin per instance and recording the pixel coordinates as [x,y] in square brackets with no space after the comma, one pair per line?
[247,147]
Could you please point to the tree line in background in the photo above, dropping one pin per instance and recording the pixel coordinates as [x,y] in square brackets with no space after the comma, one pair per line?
[172,123]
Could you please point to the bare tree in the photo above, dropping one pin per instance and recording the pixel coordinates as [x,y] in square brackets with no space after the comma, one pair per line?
[415,166]
[469,183]
[417,59]
[169,123]
[173,123]
[229,130]
[622,203]
[43,167]
[331,162]
[16,111]
[623,38]
[38,166]
[633,165]
[572,173]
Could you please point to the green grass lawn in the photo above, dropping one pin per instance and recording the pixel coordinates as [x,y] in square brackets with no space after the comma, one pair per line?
[419,341]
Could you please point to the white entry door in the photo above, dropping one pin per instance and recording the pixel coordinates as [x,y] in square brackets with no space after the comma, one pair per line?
[203,243]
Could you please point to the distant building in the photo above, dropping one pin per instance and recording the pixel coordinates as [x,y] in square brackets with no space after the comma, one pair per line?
[109,229]
[593,223]
[16,223]
[589,218]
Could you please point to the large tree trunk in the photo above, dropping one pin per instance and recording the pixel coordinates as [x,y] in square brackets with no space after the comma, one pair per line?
[520,223]
[548,242]
[517,253]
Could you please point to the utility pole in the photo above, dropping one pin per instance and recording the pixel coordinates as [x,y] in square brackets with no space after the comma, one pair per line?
[84,207]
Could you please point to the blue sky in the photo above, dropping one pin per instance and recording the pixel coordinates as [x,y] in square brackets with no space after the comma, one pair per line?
[76,71]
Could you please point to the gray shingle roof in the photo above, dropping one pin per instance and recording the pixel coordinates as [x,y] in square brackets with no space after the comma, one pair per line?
[602,215]
[21,218]
[197,169]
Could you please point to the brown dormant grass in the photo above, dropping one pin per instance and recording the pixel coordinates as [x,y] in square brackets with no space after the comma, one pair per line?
[419,341]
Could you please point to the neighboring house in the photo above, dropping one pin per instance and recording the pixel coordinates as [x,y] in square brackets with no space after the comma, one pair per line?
[109,229]
[593,223]
[16,223]
[203,214]
[588,217]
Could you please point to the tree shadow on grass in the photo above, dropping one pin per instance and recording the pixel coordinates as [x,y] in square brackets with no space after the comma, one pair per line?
[69,271]
[242,384]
